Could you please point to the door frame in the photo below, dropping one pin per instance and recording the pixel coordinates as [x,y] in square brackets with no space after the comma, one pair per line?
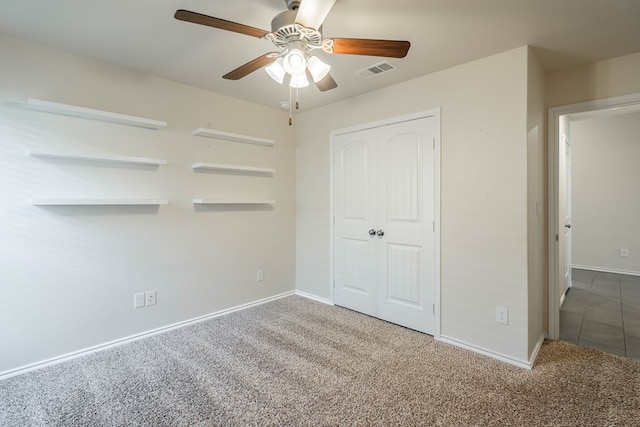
[555,115]
[435,113]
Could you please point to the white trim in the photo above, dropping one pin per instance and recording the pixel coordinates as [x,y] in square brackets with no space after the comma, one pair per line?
[436,114]
[94,349]
[553,146]
[606,270]
[536,350]
[314,297]
[437,206]
[332,164]
[501,357]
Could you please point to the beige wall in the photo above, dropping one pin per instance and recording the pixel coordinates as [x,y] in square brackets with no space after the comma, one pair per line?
[536,202]
[68,275]
[605,79]
[484,193]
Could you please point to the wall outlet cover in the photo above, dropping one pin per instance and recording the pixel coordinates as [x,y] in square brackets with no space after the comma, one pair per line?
[502,315]
[150,298]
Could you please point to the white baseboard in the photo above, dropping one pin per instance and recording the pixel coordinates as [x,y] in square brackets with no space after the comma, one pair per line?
[501,357]
[315,298]
[606,270]
[121,341]
[536,350]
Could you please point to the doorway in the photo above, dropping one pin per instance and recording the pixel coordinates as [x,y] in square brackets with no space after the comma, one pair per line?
[385,233]
[561,265]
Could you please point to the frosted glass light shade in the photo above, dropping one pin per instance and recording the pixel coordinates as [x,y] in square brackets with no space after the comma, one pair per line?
[317,68]
[276,71]
[299,81]
[294,62]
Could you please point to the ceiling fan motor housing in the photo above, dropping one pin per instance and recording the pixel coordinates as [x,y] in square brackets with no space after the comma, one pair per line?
[285,30]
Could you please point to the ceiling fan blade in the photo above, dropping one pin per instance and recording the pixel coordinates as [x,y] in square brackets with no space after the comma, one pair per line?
[312,13]
[370,47]
[250,67]
[327,83]
[223,24]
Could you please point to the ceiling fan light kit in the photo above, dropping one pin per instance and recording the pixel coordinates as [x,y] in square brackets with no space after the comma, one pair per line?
[294,61]
[297,32]
[276,71]
[298,81]
[317,68]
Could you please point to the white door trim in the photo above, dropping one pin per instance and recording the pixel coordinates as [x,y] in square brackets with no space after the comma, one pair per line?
[554,191]
[435,113]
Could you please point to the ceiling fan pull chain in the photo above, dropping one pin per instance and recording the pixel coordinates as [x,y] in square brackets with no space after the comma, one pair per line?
[290,117]
[297,103]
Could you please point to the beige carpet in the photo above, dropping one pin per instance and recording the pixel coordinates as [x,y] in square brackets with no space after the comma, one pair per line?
[298,362]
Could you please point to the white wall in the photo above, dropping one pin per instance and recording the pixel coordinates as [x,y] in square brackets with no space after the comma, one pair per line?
[484,193]
[536,202]
[68,274]
[605,202]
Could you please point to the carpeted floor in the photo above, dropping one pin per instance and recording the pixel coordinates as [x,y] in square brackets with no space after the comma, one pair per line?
[297,362]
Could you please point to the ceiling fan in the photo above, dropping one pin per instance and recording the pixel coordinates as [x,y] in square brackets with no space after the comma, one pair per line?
[297,33]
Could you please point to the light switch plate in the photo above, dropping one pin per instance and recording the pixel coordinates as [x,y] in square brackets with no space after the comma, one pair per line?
[138,300]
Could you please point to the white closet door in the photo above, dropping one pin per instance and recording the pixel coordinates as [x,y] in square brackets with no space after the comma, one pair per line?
[384,259]
[355,210]
[406,271]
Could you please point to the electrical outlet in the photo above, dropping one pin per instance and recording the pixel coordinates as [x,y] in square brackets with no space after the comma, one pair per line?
[502,315]
[138,300]
[259,275]
[624,253]
[150,298]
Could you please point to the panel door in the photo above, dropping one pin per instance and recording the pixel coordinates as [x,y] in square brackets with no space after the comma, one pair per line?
[406,270]
[355,210]
[384,254]
[567,215]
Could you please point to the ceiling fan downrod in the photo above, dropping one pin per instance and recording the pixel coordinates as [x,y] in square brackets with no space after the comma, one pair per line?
[292,4]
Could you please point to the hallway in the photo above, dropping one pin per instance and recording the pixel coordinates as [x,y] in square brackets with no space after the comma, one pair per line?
[602,311]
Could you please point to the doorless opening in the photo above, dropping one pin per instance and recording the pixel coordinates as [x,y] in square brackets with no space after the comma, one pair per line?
[560,195]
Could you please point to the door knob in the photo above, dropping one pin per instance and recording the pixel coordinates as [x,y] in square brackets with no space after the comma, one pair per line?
[372,232]
[380,233]
[567,225]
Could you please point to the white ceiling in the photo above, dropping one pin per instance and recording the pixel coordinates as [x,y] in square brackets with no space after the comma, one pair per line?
[143,35]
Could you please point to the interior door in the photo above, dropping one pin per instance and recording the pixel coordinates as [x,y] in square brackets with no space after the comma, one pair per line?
[355,209]
[406,271]
[566,216]
[384,254]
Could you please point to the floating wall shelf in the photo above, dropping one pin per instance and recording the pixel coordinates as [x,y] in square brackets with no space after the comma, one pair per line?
[232,202]
[100,158]
[216,134]
[233,168]
[97,202]
[89,113]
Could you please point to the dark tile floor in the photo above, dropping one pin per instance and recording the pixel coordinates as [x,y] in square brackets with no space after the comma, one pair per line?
[602,311]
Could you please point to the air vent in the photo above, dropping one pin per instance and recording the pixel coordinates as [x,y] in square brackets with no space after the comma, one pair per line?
[375,70]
